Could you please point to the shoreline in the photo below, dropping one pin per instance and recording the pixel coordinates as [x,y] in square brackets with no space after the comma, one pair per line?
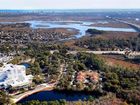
[17,98]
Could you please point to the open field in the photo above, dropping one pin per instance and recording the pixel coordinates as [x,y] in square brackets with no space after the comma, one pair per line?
[111,24]
[120,63]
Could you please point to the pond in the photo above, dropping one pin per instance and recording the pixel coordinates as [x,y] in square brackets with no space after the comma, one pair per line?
[27,65]
[57,95]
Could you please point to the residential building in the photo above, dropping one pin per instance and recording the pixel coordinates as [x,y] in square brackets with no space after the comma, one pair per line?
[14,75]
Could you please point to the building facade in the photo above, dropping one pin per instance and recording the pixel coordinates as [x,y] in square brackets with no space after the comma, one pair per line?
[14,76]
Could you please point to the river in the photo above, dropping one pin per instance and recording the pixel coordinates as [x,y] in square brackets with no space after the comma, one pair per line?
[82,26]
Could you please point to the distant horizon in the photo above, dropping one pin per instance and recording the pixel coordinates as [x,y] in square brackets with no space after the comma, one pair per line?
[80,9]
[66,10]
[68,4]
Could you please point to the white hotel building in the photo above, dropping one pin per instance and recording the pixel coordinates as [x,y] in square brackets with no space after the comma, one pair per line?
[14,75]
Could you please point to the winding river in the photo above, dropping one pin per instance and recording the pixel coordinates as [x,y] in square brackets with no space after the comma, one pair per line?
[82,26]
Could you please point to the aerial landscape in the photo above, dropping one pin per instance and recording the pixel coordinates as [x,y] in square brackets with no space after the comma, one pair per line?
[81,53]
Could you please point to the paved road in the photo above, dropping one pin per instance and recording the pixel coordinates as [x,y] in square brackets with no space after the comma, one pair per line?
[39,88]
[131,53]
[98,52]
[134,26]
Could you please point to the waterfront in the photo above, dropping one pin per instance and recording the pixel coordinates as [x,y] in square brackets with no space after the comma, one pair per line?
[56,95]
[82,26]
